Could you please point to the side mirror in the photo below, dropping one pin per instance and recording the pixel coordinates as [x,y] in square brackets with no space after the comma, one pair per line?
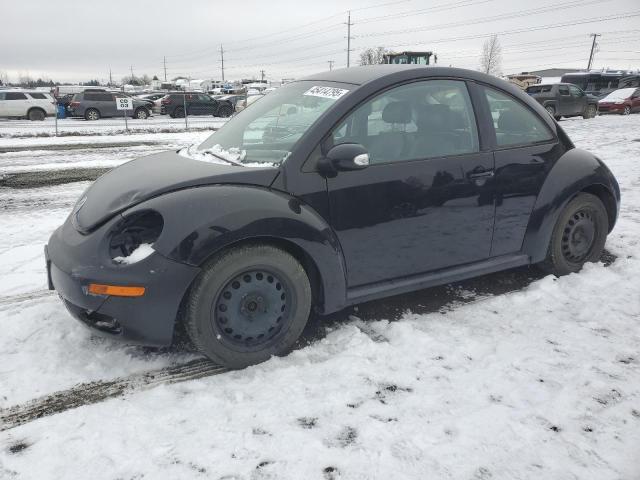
[345,157]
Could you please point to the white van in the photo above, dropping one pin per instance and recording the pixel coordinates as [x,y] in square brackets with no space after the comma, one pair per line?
[30,104]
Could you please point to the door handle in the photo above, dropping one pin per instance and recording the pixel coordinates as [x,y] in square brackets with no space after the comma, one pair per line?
[485,174]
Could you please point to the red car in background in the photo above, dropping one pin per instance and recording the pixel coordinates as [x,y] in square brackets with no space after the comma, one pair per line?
[623,101]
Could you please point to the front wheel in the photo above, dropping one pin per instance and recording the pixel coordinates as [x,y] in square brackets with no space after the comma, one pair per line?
[248,304]
[224,111]
[178,112]
[141,114]
[578,236]
[590,111]
[627,110]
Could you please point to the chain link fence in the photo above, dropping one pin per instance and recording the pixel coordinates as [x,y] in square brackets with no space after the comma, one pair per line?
[191,111]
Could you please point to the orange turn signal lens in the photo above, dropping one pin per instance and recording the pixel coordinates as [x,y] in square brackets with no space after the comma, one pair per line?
[115,290]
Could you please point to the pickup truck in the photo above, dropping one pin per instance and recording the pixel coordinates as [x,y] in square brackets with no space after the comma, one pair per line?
[564,100]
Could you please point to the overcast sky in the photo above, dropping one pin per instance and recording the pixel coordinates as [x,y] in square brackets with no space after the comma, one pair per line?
[78,40]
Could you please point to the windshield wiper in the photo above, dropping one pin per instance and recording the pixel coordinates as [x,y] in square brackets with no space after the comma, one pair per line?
[228,160]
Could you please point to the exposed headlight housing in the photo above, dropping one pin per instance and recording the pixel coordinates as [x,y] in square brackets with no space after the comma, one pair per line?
[134,230]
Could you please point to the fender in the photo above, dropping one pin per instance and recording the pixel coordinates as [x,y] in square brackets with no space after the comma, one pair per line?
[574,172]
[228,214]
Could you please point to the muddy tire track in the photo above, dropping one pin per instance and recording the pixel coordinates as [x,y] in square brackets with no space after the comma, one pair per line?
[98,391]
[25,297]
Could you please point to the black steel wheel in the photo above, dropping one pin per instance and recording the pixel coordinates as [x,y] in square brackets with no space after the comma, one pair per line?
[578,236]
[248,304]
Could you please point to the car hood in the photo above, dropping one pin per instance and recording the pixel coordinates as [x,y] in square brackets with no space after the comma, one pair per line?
[151,176]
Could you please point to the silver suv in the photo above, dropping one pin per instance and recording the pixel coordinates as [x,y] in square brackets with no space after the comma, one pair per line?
[93,105]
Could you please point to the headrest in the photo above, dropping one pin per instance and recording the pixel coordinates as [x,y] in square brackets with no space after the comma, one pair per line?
[397,112]
[434,117]
[512,121]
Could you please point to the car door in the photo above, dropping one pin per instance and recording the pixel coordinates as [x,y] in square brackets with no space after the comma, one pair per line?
[565,101]
[525,149]
[635,101]
[579,100]
[421,204]
[16,104]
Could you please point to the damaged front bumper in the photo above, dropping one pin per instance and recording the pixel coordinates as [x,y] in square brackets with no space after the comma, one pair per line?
[74,261]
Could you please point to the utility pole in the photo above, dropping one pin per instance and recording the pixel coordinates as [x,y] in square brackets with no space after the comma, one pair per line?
[349,37]
[331,62]
[164,62]
[222,60]
[110,78]
[132,77]
[262,72]
[593,47]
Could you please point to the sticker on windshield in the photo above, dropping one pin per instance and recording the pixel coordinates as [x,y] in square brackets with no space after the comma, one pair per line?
[326,92]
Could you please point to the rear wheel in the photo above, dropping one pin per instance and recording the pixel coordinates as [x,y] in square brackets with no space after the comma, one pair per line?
[627,110]
[590,111]
[578,236]
[36,114]
[248,304]
[178,112]
[92,114]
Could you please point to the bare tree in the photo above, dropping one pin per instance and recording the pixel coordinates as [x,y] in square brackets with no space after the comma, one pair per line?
[491,57]
[372,56]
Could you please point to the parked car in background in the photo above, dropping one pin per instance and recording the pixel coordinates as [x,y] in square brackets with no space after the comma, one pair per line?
[623,101]
[154,98]
[93,105]
[564,100]
[31,104]
[238,102]
[174,104]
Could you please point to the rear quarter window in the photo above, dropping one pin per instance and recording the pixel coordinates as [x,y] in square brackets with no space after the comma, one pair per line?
[514,123]
[38,96]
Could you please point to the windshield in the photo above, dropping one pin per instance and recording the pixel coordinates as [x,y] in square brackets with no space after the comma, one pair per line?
[265,133]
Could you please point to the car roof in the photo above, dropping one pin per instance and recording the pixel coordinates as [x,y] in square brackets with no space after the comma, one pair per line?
[364,74]
[22,90]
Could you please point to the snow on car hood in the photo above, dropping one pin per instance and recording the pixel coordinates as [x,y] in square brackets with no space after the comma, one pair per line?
[618,95]
[147,177]
[217,154]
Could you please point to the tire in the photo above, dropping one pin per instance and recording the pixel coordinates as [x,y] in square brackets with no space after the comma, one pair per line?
[91,114]
[141,113]
[557,118]
[178,112]
[627,110]
[590,111]
[551,109]
[578,236]
[36,115]
[224,111]
[264,318]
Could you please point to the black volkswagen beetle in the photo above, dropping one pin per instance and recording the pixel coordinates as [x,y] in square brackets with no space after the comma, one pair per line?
[339,188]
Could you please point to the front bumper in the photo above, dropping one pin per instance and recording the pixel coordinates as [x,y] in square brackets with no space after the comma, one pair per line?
[611,108]
[75,260]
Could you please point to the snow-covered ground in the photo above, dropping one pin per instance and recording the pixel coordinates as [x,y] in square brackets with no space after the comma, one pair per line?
[539,383]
